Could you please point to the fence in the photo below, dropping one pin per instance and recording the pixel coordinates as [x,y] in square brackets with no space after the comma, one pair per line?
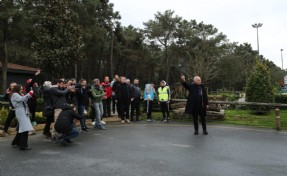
[275,105]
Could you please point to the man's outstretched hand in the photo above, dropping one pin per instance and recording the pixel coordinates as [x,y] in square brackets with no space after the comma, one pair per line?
[38,72]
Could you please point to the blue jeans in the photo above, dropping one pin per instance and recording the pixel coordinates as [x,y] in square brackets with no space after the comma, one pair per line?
[74,133]
[81,110]
[98,106]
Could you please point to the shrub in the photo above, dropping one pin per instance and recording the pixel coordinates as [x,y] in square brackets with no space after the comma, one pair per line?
[259,88]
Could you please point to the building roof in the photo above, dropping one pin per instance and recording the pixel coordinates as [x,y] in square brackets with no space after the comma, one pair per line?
[20,67]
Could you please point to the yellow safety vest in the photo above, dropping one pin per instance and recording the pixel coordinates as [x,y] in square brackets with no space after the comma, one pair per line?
[163,94]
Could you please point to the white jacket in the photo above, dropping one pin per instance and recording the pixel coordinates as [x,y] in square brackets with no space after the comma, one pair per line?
[22,111]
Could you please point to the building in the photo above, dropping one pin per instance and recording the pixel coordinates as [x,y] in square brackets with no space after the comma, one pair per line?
[18,73]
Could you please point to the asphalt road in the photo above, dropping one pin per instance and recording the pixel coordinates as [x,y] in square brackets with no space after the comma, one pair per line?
[152,150]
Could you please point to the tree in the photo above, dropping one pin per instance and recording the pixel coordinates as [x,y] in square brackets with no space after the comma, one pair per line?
[9,10]
[162,30]
[259,88]
[59,45]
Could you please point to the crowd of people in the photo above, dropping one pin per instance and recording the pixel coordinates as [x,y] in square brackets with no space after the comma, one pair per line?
[67,100]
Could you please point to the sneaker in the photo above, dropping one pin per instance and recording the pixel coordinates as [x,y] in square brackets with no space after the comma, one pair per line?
[101,127]
[122,121]
[149,120]
[128,121]
[54,139]
[34,123]
[103,122]
[63,142]
[165,121]
[93,123]
[32,133]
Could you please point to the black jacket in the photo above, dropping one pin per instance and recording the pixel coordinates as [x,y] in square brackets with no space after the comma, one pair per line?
[58,97]
[192,99]
[136,92]
[82,96]
[64,123]
[123,92]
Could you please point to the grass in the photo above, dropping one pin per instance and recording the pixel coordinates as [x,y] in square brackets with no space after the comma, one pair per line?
[244,117]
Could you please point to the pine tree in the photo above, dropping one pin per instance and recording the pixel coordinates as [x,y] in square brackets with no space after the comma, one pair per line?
[259,88]
[58,46]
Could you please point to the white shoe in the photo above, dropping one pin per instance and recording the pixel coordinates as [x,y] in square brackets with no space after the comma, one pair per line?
[128,121]
[93,123]
[122,121]
[103,122]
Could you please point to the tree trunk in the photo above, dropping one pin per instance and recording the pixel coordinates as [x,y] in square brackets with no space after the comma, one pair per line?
[111,54]
[4,62]
[167,65]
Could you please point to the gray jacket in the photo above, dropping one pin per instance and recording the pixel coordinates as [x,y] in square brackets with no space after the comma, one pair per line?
[22,111]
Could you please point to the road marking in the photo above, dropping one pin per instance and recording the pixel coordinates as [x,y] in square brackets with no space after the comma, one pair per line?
[180,145]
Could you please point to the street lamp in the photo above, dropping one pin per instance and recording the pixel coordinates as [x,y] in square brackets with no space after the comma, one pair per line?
[282,57]
[257,25]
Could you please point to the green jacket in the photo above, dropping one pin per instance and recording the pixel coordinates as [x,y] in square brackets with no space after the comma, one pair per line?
[97,94]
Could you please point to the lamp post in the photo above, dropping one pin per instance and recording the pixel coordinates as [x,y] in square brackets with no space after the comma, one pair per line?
[257,25]
[282,57]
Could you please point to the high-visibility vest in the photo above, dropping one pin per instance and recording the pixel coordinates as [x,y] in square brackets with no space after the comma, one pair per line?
[163,94]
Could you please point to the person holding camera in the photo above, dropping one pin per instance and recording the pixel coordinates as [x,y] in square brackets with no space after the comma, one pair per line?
[83,102]
[98,93]
[65,124]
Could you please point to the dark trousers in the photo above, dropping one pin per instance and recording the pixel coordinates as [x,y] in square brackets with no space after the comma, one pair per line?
[107,107]
[93,113]
[164,109]
[135,106]
[11,115]
[149,109]
[124,108]
[81,110]
[202,114]
[114,104]
[32,108]
[49,121]
[21,139]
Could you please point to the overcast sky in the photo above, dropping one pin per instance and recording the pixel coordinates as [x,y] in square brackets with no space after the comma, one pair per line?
[232,17]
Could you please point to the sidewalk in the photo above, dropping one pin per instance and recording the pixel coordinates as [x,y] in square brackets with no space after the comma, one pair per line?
[40,127]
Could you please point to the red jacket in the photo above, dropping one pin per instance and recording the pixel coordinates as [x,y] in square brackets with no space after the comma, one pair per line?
[107,88]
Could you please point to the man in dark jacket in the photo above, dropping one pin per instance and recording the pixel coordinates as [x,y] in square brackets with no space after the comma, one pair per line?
[114,84]
[65,124]
[197,102]
[58,97]
[83,102]
[123,97]
[136,99]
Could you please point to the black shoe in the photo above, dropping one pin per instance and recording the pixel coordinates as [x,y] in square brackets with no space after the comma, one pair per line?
[85,129]
[25,148]
[195,132]
[47,134]
[63,142]
[69,141]
[205,132]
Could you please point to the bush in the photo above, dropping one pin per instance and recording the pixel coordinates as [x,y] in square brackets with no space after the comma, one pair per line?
[259,88]
[3,115]
[279,98]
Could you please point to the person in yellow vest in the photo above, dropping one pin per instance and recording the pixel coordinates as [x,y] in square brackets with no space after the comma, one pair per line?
[164,99]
